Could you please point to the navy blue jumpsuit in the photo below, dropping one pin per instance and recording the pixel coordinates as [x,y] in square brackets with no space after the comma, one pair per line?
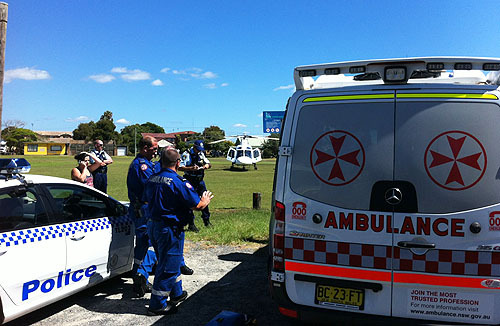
[138,173]
[170,199]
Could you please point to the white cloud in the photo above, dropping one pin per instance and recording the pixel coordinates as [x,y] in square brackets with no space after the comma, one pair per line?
[239,125]
[178,72]
[157,82]
[205,75]
[26,74]
[123,121]
[210,86]
[135,75]
[102,78]
[257,126]
[260,115]
[284,87]
[131,74]
[165,70]
[224,84]
[81,118]
[119,70]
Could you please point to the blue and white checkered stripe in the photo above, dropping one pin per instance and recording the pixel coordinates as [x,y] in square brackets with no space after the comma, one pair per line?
[19,237]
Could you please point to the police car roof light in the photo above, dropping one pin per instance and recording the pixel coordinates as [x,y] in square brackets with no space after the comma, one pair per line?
[14,166]
[416,68]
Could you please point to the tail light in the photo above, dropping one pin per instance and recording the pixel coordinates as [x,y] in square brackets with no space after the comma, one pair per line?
[279,238]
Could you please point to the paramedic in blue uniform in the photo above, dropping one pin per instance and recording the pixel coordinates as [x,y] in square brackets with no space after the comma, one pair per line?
[101,174]
[139,172]
[171,199]
[194,163]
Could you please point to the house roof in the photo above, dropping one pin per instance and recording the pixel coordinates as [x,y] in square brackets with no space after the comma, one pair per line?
[54,133]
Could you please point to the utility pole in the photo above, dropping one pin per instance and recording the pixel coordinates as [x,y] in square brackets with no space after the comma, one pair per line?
[4,9]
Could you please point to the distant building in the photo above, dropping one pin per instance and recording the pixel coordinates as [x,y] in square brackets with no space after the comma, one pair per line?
[45,148]
[62,143]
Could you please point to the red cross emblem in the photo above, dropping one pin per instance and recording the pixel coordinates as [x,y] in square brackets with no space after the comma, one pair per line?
[455,160]
[337,158]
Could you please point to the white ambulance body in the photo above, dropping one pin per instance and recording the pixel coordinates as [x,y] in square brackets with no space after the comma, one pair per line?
[387,192]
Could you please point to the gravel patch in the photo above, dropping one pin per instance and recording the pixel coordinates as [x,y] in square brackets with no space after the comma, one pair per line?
[225,278]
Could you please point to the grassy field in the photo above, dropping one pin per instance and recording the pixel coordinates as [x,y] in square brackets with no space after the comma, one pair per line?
[234,221]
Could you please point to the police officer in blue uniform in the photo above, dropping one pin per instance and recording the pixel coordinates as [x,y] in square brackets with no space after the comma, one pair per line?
[139,172]
[194,163]
[171,199]
[101,173]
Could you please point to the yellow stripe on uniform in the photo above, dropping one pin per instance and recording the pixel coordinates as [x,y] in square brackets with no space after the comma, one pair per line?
[449,95]
[348,97]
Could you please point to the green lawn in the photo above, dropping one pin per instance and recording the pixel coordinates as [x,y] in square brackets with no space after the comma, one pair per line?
[234,220]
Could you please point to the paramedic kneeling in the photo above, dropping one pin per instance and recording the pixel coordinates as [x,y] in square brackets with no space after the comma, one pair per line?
[170,201]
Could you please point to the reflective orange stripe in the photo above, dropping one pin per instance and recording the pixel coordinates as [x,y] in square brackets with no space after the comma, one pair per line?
[440,280]
[349,272]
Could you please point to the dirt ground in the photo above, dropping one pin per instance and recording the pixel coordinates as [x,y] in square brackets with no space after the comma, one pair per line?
[225,278]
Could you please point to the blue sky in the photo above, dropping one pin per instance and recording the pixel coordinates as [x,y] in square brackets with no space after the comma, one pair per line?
[186,65]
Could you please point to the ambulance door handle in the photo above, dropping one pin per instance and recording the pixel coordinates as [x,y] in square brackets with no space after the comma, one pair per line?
[411,244]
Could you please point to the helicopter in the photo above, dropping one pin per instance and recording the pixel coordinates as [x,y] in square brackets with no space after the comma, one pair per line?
[243,154]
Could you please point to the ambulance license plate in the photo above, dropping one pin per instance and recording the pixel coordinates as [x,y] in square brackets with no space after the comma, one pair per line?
[340,297]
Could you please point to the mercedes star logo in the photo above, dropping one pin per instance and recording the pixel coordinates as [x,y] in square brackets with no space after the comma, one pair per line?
[393,196]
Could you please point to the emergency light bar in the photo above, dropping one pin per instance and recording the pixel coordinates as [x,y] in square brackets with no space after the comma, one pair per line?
[394,71]
[14,166]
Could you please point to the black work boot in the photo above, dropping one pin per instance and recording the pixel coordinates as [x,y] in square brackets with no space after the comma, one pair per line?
[175,300]
[193,228]
[167,310]
[140,285]
[186,270]
[207,223]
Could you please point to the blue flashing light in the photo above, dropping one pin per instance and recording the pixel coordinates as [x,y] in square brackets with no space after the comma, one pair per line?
[14,166]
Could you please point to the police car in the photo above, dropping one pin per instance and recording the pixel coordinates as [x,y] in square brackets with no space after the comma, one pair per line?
[57,237]
[387,192]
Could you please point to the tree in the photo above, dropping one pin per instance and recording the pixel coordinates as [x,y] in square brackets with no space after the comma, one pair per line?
[105,128]
[213,133]
[270,147]
[129,132]
[180,145]
[84,131]
[15,137]
[14,123]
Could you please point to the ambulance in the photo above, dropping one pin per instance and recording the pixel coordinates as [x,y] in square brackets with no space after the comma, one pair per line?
[386,200]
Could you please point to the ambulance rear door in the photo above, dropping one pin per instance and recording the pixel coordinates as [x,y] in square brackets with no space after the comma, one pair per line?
[447,242]
[337,248]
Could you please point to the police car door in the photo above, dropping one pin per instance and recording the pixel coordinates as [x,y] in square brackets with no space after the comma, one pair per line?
[337,247]
[32,249]
[446,196]
[88,233]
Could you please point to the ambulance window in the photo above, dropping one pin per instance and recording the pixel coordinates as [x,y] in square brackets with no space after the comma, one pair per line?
[231,153]
[256,153]
[248,154]
[453,160]
[340,150]
[21,209]
[78,203]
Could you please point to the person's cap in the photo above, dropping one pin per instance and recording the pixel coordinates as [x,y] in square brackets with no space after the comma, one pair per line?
[198,144]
